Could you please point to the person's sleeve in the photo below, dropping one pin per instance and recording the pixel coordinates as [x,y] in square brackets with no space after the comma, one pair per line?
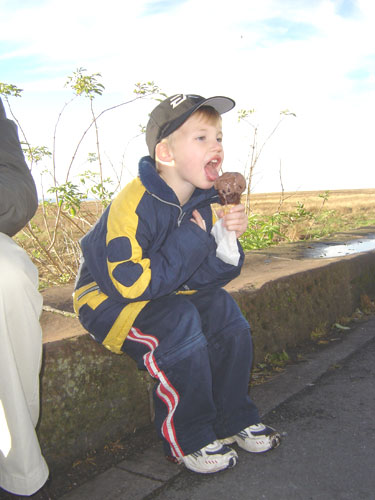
[214,272]
[18,196]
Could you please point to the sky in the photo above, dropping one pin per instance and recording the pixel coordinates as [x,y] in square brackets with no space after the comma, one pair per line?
[315,58]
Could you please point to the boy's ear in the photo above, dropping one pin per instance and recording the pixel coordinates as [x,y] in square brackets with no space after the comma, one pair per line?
[163,152]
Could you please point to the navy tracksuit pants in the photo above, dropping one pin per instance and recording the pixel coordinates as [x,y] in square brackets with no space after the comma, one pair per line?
[198,348]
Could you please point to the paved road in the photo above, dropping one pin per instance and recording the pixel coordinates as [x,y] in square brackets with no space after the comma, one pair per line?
[325,409]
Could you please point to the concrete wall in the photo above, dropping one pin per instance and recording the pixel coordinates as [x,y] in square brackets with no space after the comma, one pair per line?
[91,396]
[284,312]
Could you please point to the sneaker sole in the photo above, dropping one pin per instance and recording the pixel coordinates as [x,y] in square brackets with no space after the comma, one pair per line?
[274,441]
[231,463]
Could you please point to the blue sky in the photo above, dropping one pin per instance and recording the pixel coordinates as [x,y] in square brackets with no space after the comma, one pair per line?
[313,57]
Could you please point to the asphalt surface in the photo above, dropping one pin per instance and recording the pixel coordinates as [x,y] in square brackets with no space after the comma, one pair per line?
[324,408]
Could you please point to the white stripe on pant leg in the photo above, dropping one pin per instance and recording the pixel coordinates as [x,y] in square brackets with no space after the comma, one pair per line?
[170,397]
[168,425]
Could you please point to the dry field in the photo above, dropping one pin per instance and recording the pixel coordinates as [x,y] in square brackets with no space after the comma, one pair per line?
[342,201]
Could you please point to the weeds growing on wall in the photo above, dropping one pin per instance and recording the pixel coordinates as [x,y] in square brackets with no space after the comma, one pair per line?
[52,236]
[256,146]
[281,227]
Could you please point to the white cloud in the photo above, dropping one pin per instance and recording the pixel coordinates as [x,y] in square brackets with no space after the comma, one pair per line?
[314,58]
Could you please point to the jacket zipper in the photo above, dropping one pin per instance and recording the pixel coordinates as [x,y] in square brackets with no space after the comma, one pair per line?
[182,214]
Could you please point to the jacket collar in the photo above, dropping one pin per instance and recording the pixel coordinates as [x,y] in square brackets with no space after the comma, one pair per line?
[157,186]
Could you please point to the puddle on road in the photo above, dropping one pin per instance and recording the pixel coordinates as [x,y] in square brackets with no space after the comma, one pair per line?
[327,251]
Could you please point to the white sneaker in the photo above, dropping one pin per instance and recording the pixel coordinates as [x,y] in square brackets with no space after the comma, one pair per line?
[211,458]
[256,438]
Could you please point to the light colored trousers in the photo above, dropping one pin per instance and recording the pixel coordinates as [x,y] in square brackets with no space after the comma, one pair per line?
[23,469]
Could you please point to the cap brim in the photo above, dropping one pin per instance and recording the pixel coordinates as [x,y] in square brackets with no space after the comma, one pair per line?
[220,103]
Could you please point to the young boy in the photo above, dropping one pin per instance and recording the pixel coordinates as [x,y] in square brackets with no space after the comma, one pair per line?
[150,285]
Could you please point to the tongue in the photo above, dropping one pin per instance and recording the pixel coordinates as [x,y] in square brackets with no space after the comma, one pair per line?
[211,172]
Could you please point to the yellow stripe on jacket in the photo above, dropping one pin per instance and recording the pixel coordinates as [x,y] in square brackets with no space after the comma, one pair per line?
[122,223]
[91,296]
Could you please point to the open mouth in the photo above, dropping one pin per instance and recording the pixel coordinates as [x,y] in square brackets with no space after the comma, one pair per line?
[212,169]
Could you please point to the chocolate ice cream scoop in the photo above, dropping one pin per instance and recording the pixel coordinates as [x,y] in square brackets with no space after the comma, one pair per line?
[230,186]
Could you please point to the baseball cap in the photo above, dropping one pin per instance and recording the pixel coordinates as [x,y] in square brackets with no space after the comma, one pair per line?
[175,110]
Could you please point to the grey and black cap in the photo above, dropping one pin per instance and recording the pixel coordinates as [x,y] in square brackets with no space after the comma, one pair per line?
[175,110]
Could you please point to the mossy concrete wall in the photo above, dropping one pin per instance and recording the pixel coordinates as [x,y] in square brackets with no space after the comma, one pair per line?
[283,313]
[90,396]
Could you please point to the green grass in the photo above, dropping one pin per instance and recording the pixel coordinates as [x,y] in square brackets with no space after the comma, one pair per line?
[299,225]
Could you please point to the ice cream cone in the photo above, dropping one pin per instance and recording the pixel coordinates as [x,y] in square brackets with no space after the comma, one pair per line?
[226,208]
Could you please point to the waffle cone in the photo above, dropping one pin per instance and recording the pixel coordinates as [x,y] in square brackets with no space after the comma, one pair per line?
[227,208]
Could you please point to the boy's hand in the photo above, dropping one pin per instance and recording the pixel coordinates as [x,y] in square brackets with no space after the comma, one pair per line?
[198,219]
[236,220]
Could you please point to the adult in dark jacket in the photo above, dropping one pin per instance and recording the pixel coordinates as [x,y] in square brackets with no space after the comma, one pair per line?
[23,469]
[150,285]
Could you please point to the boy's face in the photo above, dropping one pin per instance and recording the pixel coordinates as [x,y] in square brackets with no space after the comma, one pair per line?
[197,150]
